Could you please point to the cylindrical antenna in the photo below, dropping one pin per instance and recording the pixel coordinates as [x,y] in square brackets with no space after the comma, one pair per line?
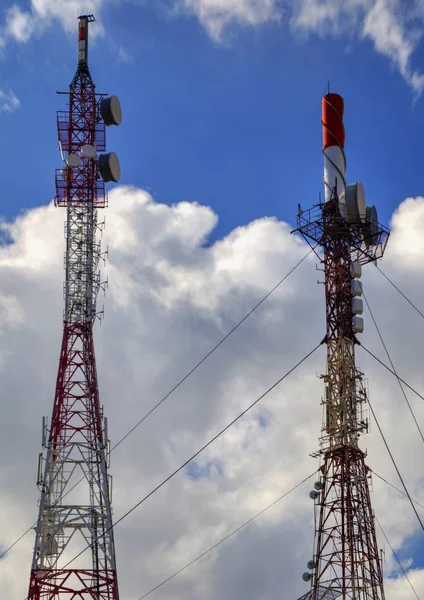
[333,135]
[83,22]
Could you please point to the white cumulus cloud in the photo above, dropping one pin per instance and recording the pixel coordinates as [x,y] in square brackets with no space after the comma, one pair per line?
[21,24]
[171,299]
[394,30]
[216,15]
[8,101]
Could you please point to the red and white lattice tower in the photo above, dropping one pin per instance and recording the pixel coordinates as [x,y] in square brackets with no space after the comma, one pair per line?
[346,564]
[75,504]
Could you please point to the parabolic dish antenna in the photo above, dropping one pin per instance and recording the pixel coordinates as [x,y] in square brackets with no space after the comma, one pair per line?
[355,203]
[370,230]
[64,173]
[73,161]
[110,109]
[88,151]
[109,167]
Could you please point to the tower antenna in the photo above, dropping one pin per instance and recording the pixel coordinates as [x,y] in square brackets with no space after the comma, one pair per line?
[346,563]
[76,444]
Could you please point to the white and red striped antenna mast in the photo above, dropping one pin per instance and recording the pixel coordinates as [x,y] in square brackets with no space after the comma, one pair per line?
[346,563]
[333,145]
[75,503]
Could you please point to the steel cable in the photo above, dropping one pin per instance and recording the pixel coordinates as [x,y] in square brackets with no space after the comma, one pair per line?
[394,370]
[180,382]
[397,559]
[389,451]
[215,437]
[227,537]
[396,488]
[235,531]
[400,291]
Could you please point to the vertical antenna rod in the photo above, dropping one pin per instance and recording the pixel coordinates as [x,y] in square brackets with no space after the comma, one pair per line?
[75,445]
[346,564]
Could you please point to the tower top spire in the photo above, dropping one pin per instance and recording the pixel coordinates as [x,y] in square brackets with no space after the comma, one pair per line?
[83,21]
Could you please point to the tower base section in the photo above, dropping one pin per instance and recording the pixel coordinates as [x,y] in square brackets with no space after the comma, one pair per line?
[73,584]
[347,562]
[321,594]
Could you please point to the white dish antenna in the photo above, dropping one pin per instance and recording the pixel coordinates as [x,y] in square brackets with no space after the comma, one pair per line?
[73,161]
[370,231]
[88,151]
[354,198]
[64,173]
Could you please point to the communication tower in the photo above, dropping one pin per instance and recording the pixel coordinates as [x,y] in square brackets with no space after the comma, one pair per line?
[75,504]
[346,563]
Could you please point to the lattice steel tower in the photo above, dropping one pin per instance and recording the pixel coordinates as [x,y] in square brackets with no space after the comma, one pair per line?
[346,564]
[75,504]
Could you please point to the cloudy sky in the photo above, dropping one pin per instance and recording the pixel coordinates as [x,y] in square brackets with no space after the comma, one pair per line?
[221,139]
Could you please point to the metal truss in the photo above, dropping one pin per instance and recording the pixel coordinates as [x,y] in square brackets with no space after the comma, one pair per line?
[82,258]
[73,518]
[50,585]
[346,560]
[323,221]
[322,594]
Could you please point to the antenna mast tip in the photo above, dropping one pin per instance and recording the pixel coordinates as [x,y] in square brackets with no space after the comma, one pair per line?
[90,18]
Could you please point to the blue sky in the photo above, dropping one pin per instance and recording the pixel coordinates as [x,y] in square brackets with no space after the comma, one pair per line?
[234,124]
[413,549]
[222,106]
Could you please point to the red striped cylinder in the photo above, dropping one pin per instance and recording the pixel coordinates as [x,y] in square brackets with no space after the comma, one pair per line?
[83,40]
[333,135]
